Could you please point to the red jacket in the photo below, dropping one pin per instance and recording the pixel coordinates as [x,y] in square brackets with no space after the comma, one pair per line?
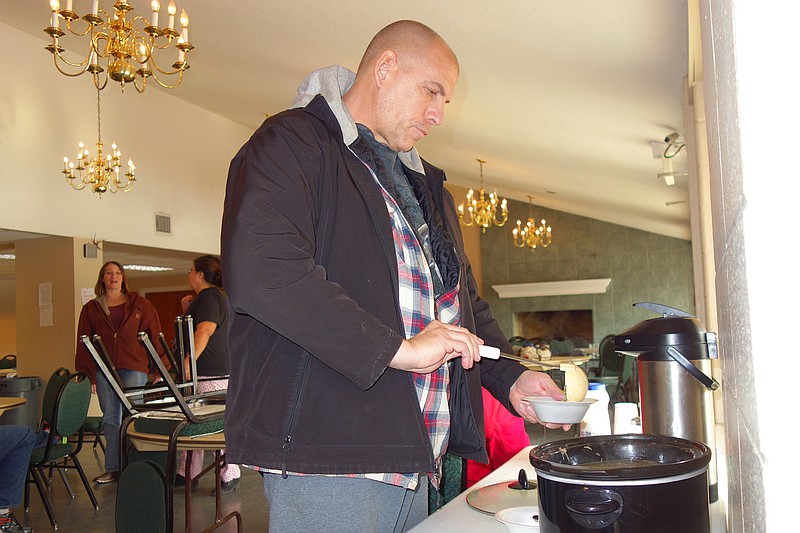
[123,346]
[505,437]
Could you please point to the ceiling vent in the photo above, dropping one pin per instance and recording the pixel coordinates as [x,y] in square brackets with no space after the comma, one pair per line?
[163,224]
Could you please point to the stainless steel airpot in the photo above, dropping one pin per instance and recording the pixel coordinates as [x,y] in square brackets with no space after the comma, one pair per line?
[675,382]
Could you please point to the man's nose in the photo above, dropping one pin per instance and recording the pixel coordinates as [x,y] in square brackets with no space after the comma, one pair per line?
[435,114]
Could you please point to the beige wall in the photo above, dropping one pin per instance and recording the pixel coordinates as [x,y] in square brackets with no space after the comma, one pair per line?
[8,331]
[172,282]
[85,274]
[8,320]
[58,261]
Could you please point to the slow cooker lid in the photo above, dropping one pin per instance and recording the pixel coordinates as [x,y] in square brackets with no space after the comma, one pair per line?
[621,457]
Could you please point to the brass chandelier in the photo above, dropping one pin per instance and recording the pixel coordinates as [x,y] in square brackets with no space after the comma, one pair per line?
[482,212]
[530,235]
[122,47]
[101,172]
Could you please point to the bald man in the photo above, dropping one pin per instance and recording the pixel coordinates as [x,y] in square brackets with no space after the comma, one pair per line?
[356,324]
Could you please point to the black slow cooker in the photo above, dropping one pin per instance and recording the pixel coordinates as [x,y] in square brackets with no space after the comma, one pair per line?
[623,483]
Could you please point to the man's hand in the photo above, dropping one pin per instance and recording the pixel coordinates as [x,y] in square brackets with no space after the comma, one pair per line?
[434,346]
[532,383]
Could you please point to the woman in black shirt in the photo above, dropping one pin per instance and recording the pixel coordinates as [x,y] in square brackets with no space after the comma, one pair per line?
[209,311]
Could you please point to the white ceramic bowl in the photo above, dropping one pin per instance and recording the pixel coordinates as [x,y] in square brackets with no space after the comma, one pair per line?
[519,519]
[556,412]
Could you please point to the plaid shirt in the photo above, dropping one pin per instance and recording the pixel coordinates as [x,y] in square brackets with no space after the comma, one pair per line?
[418,306]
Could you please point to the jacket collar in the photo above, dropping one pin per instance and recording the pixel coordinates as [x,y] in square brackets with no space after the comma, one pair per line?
[332,83]
[103,304]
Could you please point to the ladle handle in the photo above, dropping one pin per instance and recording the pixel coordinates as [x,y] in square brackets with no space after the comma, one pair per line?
[709,382]
[533,361]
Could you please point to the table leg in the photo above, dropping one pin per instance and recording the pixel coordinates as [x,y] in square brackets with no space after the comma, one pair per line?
[187,487]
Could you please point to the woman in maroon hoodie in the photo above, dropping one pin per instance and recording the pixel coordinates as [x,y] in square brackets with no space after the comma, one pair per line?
[117,315]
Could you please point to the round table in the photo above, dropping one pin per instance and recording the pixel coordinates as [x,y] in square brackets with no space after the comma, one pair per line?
[10,402]
[150,442]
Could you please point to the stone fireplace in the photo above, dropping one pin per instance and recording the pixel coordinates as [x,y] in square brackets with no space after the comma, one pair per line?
[576,325]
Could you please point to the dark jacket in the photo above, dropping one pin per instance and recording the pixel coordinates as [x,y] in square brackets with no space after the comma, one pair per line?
[123,345]
[311,275]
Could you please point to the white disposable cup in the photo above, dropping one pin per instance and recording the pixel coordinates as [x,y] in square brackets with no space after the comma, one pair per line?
[626,418]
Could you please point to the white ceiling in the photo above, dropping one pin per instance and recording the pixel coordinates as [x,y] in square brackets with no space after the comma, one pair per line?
[563,99]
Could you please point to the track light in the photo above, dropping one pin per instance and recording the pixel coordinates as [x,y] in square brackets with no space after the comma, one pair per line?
[673,145]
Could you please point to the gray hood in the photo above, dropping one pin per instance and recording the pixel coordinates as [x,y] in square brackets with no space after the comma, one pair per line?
[332,82]
[101,302]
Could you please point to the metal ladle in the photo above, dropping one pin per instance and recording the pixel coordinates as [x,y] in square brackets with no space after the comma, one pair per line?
[576,382]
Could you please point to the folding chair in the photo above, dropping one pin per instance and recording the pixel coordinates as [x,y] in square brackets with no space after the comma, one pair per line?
[174,415]
[65,405]
[627,388]
[94,425]
[183,341]
[8,361]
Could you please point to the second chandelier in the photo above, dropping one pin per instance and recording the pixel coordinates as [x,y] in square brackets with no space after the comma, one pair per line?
[480,211]
[530,235]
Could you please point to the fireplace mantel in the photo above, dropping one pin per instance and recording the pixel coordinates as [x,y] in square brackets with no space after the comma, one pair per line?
[553,288]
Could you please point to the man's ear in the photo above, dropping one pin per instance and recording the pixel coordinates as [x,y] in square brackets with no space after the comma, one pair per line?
[386,63]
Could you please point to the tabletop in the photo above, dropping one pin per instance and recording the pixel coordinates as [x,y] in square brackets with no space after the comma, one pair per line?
[149,442]
[457,515]
[10,402]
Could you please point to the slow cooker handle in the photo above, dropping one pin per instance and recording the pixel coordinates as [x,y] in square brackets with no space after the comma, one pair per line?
[709,382]
[594,509]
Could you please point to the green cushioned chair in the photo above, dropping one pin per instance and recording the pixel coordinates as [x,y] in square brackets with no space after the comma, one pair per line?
[161,426]
[610,364]
[141,486]
[627,386]
[452,483]
[64,409]
[94,425]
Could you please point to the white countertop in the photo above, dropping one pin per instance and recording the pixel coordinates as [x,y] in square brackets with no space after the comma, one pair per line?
[457,515]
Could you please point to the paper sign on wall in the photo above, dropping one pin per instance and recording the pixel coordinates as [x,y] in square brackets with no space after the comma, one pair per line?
[46,304]
[87,294]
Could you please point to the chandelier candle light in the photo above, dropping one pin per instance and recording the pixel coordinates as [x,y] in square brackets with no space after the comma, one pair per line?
[482,212]
[530,235]
[101,172]
[122,47]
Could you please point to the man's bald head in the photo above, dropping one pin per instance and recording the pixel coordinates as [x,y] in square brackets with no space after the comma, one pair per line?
[405,78]
[407,38]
